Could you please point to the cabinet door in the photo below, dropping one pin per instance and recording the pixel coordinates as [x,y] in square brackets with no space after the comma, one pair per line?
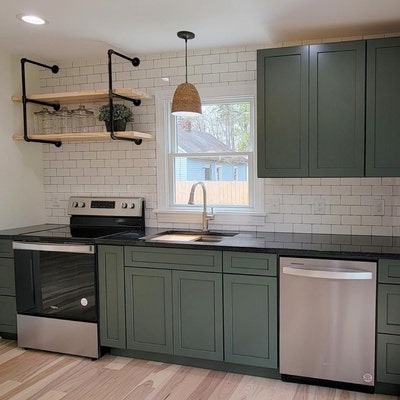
[337,101]
[6,249]
[197,314]
[149,309]
[388,359]
[383,99]
[282,112]
[8,314]
[389,309]
[7,276]
[250,316]
[111,296]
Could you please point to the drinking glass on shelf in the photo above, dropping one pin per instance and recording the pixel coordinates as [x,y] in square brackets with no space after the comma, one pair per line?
[43,121]
[63,120]
[82,119]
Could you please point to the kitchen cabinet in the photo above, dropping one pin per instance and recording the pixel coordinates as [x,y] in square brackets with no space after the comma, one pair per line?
[250,320]
[250,309]
[282,112]
[8,305]
[336,109]
[197,314]
[149,309]
[79,98]
[334,95]
[383,99]
[388,337]
[174,302]
[111,296]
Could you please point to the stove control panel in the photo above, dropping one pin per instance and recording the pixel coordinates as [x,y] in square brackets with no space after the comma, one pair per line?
[107,206]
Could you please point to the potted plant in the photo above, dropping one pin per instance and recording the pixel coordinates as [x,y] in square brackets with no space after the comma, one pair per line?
[121,115]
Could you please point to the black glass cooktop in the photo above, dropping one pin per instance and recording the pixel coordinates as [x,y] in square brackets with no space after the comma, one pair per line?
[72,233]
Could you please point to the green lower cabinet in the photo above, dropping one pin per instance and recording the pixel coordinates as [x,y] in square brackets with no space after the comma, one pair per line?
[250,320]
[197,314]
[389,309]
[111,296]
[7,276]
[8,314]
[149,310]
[388,359]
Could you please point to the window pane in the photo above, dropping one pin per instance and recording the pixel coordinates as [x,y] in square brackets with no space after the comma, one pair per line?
[223,127]
[225,177]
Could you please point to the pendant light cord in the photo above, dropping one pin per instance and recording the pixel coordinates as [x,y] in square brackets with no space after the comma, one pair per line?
[186,57]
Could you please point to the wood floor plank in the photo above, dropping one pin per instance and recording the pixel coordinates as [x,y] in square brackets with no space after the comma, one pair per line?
[52,395]
[37,375]
[180,385]
[8,386]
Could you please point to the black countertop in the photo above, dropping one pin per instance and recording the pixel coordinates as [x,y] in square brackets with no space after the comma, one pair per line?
[290,244]
[12,232]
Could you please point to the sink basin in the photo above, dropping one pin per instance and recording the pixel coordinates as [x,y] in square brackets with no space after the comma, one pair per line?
[190,236]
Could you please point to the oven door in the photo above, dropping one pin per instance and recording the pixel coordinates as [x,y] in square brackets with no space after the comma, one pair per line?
[56,280]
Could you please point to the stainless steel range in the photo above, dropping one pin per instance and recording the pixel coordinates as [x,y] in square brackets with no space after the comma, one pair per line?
[56,274]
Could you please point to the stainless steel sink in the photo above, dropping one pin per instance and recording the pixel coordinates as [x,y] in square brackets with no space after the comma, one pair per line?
[190,236]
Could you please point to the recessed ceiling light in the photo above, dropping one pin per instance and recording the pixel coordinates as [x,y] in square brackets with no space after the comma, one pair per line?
[32,19]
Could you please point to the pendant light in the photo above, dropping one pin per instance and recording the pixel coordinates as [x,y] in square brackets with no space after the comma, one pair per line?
[186,101]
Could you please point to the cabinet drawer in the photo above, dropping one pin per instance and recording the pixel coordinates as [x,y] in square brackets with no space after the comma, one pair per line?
[8,314]
[389,271]
[7,277]
[249,263]
[6,248]
[389,309]
[388,359]
[183,259]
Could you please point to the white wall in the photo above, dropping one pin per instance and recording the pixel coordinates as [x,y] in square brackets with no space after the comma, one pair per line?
[21,165]
[122,168]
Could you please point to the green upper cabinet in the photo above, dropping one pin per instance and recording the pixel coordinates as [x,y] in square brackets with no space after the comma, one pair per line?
[311,110]
[336,109]
[282,112]
[383,110]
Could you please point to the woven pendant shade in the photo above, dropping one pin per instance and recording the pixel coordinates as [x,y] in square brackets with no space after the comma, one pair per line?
[186,101]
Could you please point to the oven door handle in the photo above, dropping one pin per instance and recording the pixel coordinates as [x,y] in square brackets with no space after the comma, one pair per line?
[55,247]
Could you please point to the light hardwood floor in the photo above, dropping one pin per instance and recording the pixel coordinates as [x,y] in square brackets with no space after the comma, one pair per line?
[31,374]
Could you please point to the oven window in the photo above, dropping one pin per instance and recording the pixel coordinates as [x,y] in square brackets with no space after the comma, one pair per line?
[56,284]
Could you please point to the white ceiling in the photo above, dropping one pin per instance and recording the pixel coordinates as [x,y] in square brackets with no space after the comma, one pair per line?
[87,28]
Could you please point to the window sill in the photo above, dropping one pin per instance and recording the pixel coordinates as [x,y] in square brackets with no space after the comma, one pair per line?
[238,218]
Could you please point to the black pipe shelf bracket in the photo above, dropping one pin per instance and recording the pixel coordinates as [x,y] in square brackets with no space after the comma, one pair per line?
[111,95]
[25,100]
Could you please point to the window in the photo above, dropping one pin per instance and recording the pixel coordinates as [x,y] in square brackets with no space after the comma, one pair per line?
[217,148]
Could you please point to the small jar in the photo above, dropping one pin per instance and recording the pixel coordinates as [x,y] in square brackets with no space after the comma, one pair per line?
[63,117]
[43,121]
[82,119]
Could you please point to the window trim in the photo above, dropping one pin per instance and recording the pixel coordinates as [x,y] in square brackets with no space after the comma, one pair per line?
[253,215]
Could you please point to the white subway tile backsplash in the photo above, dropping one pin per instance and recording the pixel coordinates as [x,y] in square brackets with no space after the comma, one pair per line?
[123,168]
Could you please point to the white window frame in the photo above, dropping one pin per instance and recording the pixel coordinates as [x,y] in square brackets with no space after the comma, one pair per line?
[168,213]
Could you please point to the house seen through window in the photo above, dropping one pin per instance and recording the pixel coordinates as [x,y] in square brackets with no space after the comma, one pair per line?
[216,148]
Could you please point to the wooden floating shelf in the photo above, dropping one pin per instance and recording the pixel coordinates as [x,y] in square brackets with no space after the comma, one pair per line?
[85,96]
[74,137]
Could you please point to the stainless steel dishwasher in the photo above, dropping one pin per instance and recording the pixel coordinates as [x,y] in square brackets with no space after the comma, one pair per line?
[327,321]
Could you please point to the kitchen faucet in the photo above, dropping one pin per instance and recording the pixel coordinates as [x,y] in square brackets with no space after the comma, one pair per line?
[206,217]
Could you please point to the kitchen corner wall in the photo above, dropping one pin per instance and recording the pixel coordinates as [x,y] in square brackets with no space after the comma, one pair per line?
[362,206]
[21,168]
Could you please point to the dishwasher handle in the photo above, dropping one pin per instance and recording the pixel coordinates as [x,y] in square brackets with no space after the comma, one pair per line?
[328,273]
